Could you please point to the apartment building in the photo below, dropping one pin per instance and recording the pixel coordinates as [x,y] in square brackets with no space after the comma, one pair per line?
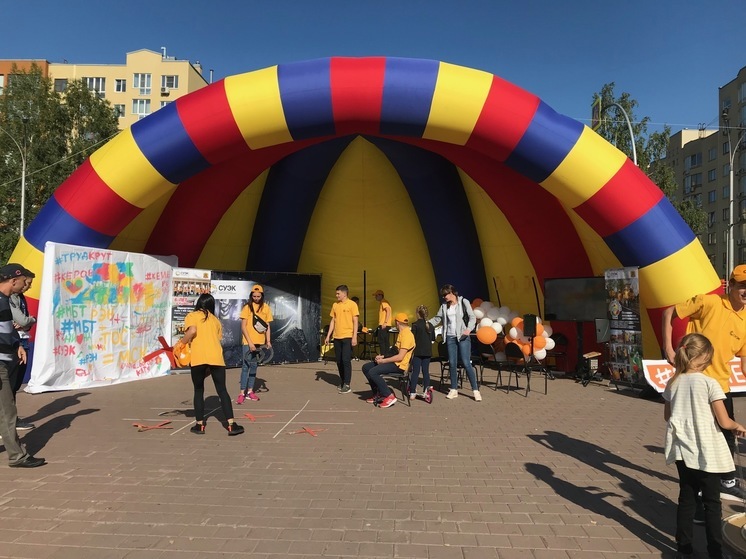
[6,69]
[146,82]
[701,160]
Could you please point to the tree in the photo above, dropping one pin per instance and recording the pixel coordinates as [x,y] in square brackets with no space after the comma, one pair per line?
[651,151]
[55,131]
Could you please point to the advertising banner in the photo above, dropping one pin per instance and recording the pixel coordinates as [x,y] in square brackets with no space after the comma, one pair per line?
[625,326]
[658,372]
[100,315]
[188,284]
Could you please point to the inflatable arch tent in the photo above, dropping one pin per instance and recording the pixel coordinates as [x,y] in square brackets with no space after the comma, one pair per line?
[416,172]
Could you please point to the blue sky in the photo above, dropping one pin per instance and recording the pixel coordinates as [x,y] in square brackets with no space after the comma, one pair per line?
[671,56]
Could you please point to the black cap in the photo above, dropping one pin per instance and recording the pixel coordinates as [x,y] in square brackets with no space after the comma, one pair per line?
[11,270]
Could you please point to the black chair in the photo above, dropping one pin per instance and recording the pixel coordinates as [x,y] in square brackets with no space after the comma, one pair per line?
[559,352]
[514,364]
[445,365]
[402,378]
[525,365]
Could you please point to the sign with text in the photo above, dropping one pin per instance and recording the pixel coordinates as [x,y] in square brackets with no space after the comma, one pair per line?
[659,372]
[100,315]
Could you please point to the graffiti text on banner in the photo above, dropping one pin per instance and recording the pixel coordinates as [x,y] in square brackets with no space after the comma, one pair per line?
[659,372]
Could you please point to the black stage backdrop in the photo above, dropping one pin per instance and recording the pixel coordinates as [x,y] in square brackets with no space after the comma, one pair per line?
[295,300]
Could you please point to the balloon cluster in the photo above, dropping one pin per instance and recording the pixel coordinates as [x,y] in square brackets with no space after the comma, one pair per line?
[492,321]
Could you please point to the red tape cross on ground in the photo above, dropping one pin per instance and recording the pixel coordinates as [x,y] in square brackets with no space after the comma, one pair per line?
[143,427]
[253,418]
[308,430]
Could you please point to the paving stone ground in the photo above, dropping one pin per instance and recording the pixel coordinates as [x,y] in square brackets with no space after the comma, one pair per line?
[577,473]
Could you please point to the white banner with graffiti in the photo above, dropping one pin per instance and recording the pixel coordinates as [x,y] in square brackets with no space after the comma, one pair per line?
[101,313]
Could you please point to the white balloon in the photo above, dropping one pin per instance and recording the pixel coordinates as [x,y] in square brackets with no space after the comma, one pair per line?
[485,322]
[486,305]
[502,320]
[493,313]
[479,313]
[511,316]
[547,331]
[550,344]
[504,310]
[540,353]
[498,327]
[515,333]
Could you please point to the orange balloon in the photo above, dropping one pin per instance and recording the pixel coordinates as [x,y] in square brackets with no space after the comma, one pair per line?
[508,338]
[486,335]
[540,342]
[476,302]
[526,349]
[517,322]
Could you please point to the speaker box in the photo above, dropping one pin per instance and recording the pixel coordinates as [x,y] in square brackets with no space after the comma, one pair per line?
[603,331]
[529,325]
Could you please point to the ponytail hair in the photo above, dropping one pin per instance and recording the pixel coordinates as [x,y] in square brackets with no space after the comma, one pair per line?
[423,313]
[694,352]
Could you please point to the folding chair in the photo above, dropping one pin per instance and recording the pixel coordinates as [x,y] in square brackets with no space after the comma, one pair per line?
[403,379]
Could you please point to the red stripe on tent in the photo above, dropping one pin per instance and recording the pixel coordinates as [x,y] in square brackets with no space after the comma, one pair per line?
[87,198]
[506,114]
[357,94]
[207,118]
[616,194]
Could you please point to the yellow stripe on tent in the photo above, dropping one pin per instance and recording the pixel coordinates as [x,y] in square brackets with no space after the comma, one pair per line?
[591,163]
[134,237]
[32,259]
[459,96]
[124,168]
[255,100]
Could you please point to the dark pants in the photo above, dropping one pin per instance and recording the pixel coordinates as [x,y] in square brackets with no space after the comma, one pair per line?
[419,363]
[730,436]
[690,483]
[383,339]
[343,355]
[375,373]
[17,374]
[199,373]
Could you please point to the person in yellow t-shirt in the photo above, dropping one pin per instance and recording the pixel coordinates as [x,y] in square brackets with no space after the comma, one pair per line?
[343,327]
[382,365]
[722,319]
[203,331]
[384,321]
[252,339]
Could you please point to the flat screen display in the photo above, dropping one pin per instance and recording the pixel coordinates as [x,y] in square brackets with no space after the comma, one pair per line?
[575,299]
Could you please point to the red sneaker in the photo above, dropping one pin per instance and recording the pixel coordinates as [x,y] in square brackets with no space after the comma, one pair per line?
[429,395]
[373,399]
[241,398]
[252,396]
[388,401]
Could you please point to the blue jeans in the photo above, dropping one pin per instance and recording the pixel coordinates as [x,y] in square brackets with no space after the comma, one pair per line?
[248,368]
[460,349]
[419,363]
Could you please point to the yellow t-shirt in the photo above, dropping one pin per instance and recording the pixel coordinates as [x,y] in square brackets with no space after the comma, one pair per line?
[382,313]
[405,340]
[342,313]
[257,338]
[713,316]
[206,348]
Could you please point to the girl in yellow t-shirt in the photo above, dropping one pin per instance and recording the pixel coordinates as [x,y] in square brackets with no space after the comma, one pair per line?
[204,331]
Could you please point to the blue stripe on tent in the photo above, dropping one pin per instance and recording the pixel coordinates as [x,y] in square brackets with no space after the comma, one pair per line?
[408,89]
[165,143]
[449,230]
[545,144]
[53,223]
[288,201]
[662,223]
[306,95]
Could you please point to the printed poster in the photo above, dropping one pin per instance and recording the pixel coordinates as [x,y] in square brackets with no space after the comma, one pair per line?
[625,326]
[101,313]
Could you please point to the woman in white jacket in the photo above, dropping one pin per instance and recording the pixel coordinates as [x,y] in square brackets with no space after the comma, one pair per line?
[458,321]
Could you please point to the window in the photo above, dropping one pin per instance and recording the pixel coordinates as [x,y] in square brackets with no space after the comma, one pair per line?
[120,86]
[60,85]
[712,238]
[710,219]
[726,148]
[742,92]
[170,82]
[726,170]
[712,196]
[141,107]
[98,85]
[712,154]
[712,175]
[693,161]
[2,82]
[164,103]
[725,236]
[726,214]
[726,192]
[119,111]
[697,199]
[142,82]
[691,182]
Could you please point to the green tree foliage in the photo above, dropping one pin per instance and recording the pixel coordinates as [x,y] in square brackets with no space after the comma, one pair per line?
[651,151]
[56,131]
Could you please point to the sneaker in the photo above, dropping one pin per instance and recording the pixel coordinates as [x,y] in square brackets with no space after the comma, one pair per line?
[452,393]
[241,398]
[234,429]
[429,393]
[388,401]
[734,493]
[345,389]
[413,395]
[252,396]
[29,462]
[198,429]
[373,399]
[23,425]
[477,396]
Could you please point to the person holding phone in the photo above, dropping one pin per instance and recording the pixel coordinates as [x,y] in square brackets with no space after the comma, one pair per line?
[458,320]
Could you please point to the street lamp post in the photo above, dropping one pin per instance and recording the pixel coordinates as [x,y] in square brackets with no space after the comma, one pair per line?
[22,151]
[732,151]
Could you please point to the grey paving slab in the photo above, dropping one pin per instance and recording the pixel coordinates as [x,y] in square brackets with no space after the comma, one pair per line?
[577,473]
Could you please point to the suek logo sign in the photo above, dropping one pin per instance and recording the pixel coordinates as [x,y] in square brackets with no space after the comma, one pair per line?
[226,288]
[229,289]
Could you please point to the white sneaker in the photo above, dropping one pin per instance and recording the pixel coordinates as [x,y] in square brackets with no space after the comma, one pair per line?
[413,395]
[477,396]
[452,393]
